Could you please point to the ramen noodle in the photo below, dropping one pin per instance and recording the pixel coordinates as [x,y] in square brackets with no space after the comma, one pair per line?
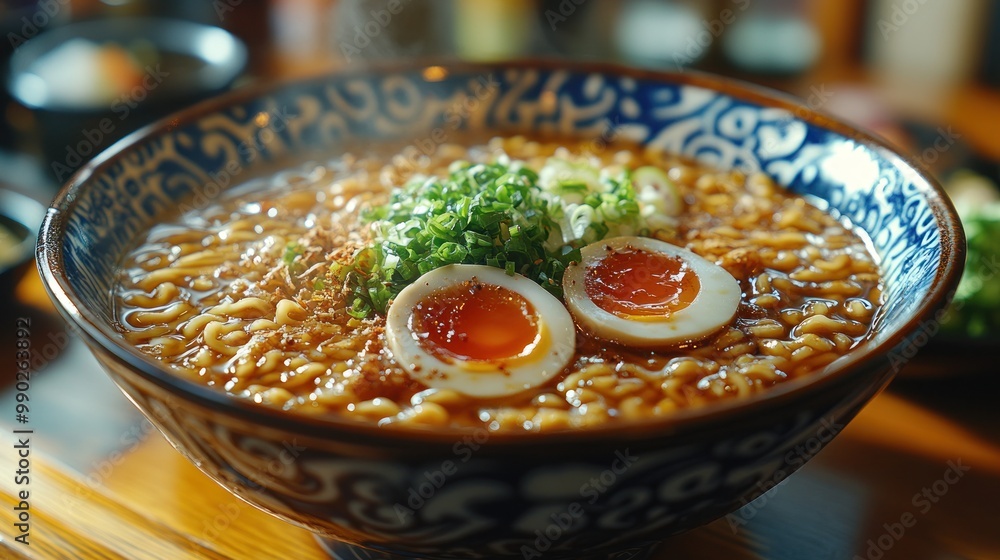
[239,296]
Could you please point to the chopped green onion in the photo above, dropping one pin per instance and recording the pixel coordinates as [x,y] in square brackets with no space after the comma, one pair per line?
[655,187]
[497,214]
[292,252]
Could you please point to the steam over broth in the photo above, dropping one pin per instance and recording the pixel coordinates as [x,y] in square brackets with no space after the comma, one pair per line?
[240,296]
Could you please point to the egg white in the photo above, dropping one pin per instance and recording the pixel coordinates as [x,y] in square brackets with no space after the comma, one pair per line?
[549,354]
[712,308]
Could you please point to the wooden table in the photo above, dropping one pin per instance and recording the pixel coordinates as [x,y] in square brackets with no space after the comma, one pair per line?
[104,484]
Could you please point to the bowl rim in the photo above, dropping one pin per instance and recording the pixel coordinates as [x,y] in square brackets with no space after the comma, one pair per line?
[338,428]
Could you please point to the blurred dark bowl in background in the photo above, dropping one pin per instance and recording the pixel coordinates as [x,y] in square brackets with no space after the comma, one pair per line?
[20,217]
[90,83]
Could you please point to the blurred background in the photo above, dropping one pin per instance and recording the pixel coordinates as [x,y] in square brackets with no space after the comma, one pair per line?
[924,74]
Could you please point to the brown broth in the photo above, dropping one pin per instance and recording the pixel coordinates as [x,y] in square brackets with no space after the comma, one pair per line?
[209,296]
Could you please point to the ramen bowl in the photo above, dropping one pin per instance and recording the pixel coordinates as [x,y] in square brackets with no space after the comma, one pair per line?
[450,492]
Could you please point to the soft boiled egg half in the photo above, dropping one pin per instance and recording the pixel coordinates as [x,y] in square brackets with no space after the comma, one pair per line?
[479,331]
[646,293]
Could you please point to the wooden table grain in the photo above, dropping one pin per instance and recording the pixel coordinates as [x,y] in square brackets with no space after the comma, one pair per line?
[915,476]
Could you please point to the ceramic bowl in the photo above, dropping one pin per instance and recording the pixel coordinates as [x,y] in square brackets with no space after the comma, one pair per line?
[20,216]
[187,62]
[451,493]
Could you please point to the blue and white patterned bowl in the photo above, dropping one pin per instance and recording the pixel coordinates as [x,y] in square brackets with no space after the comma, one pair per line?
[464,493]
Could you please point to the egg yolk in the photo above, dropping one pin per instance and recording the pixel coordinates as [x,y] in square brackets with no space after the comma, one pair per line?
[633,283]
[474,321]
